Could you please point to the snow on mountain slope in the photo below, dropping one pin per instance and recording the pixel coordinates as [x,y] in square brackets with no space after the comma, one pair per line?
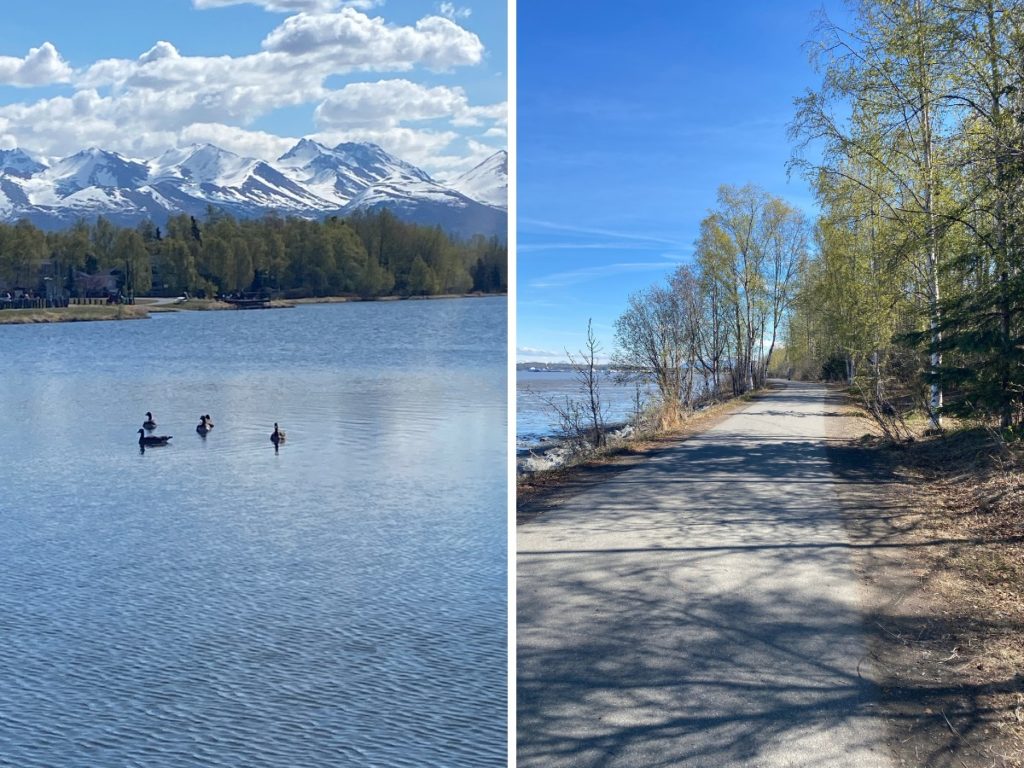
[487,182]
[401,185]
[17,162]
[219,177]
[341,173]
[94,168]
[427,202]
[310,180]
[201,164]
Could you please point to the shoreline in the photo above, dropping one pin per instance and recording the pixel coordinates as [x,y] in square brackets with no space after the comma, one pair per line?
[147,306]
[74,314]
[551,452]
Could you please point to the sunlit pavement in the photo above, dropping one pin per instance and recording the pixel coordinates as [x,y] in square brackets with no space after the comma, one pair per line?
[700,609]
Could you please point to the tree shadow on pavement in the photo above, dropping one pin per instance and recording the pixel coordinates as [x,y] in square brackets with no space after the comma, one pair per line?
[701,652]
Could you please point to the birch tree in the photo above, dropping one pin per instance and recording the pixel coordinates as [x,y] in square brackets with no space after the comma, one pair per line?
[893,75]
[651,339]
[754,246]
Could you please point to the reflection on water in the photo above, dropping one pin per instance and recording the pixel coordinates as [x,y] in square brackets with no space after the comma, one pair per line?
[338,599]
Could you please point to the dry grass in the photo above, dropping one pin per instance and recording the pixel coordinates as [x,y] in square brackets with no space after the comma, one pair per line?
[947,593]
[76,313]
[967,487]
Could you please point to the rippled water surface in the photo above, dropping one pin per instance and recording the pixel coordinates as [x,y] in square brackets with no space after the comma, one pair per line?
[215,602]
[536,418]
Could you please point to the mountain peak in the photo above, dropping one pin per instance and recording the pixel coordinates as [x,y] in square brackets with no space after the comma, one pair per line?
[95,167]
[363,148]
[310,180]
[18,162]
[487,181]
[303,152]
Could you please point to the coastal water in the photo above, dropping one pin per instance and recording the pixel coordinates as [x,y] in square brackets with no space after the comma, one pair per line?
[340,601]
[536,419]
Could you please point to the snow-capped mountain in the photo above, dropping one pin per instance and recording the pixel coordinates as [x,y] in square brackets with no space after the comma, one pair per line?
[16,162]
[310,180]
[487,182]
[422,200]
[92,168]
[341,173]
[226,180]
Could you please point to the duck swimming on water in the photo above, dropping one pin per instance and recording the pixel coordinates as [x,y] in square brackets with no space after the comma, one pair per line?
[205,424]
[151,440]
[150,422]
[277,436]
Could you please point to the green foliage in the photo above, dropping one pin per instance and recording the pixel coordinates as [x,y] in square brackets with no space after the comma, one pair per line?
[918,281]
[422,280]
[367,255]
[715,323]
[750,252]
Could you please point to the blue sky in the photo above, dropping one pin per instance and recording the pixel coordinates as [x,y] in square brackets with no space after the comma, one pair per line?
[425,79]
[627,124]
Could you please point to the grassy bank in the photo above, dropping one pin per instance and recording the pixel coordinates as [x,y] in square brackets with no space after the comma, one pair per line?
[941,534]
[537,492]
[73,314]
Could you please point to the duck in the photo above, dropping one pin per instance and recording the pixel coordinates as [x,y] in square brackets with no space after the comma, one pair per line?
[204,425]
[150,422]
[145,439]
[277,436]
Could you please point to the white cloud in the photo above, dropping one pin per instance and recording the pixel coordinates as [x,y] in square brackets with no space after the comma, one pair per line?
[300,54]
[449,11]
[559,227]
[41,66]
[162,50]
[377,111]
[290,6]
[391,102]
[352,40]
[387,103]
[425,149]
[163,98]
[266,146]
[141,125]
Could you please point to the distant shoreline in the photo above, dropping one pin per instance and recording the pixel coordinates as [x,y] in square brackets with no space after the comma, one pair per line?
[73,314]
[146,307]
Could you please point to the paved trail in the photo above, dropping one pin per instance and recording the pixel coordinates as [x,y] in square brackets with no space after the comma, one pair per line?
[700,609]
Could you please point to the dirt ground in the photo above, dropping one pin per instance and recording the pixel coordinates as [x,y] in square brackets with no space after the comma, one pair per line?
[940,539]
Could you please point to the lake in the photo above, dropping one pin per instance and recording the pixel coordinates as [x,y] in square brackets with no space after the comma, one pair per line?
[535,418]
[217,602]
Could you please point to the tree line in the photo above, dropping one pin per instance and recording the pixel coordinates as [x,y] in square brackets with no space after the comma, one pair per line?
[368,254]
[713,325]
[916,292]
[910,284]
